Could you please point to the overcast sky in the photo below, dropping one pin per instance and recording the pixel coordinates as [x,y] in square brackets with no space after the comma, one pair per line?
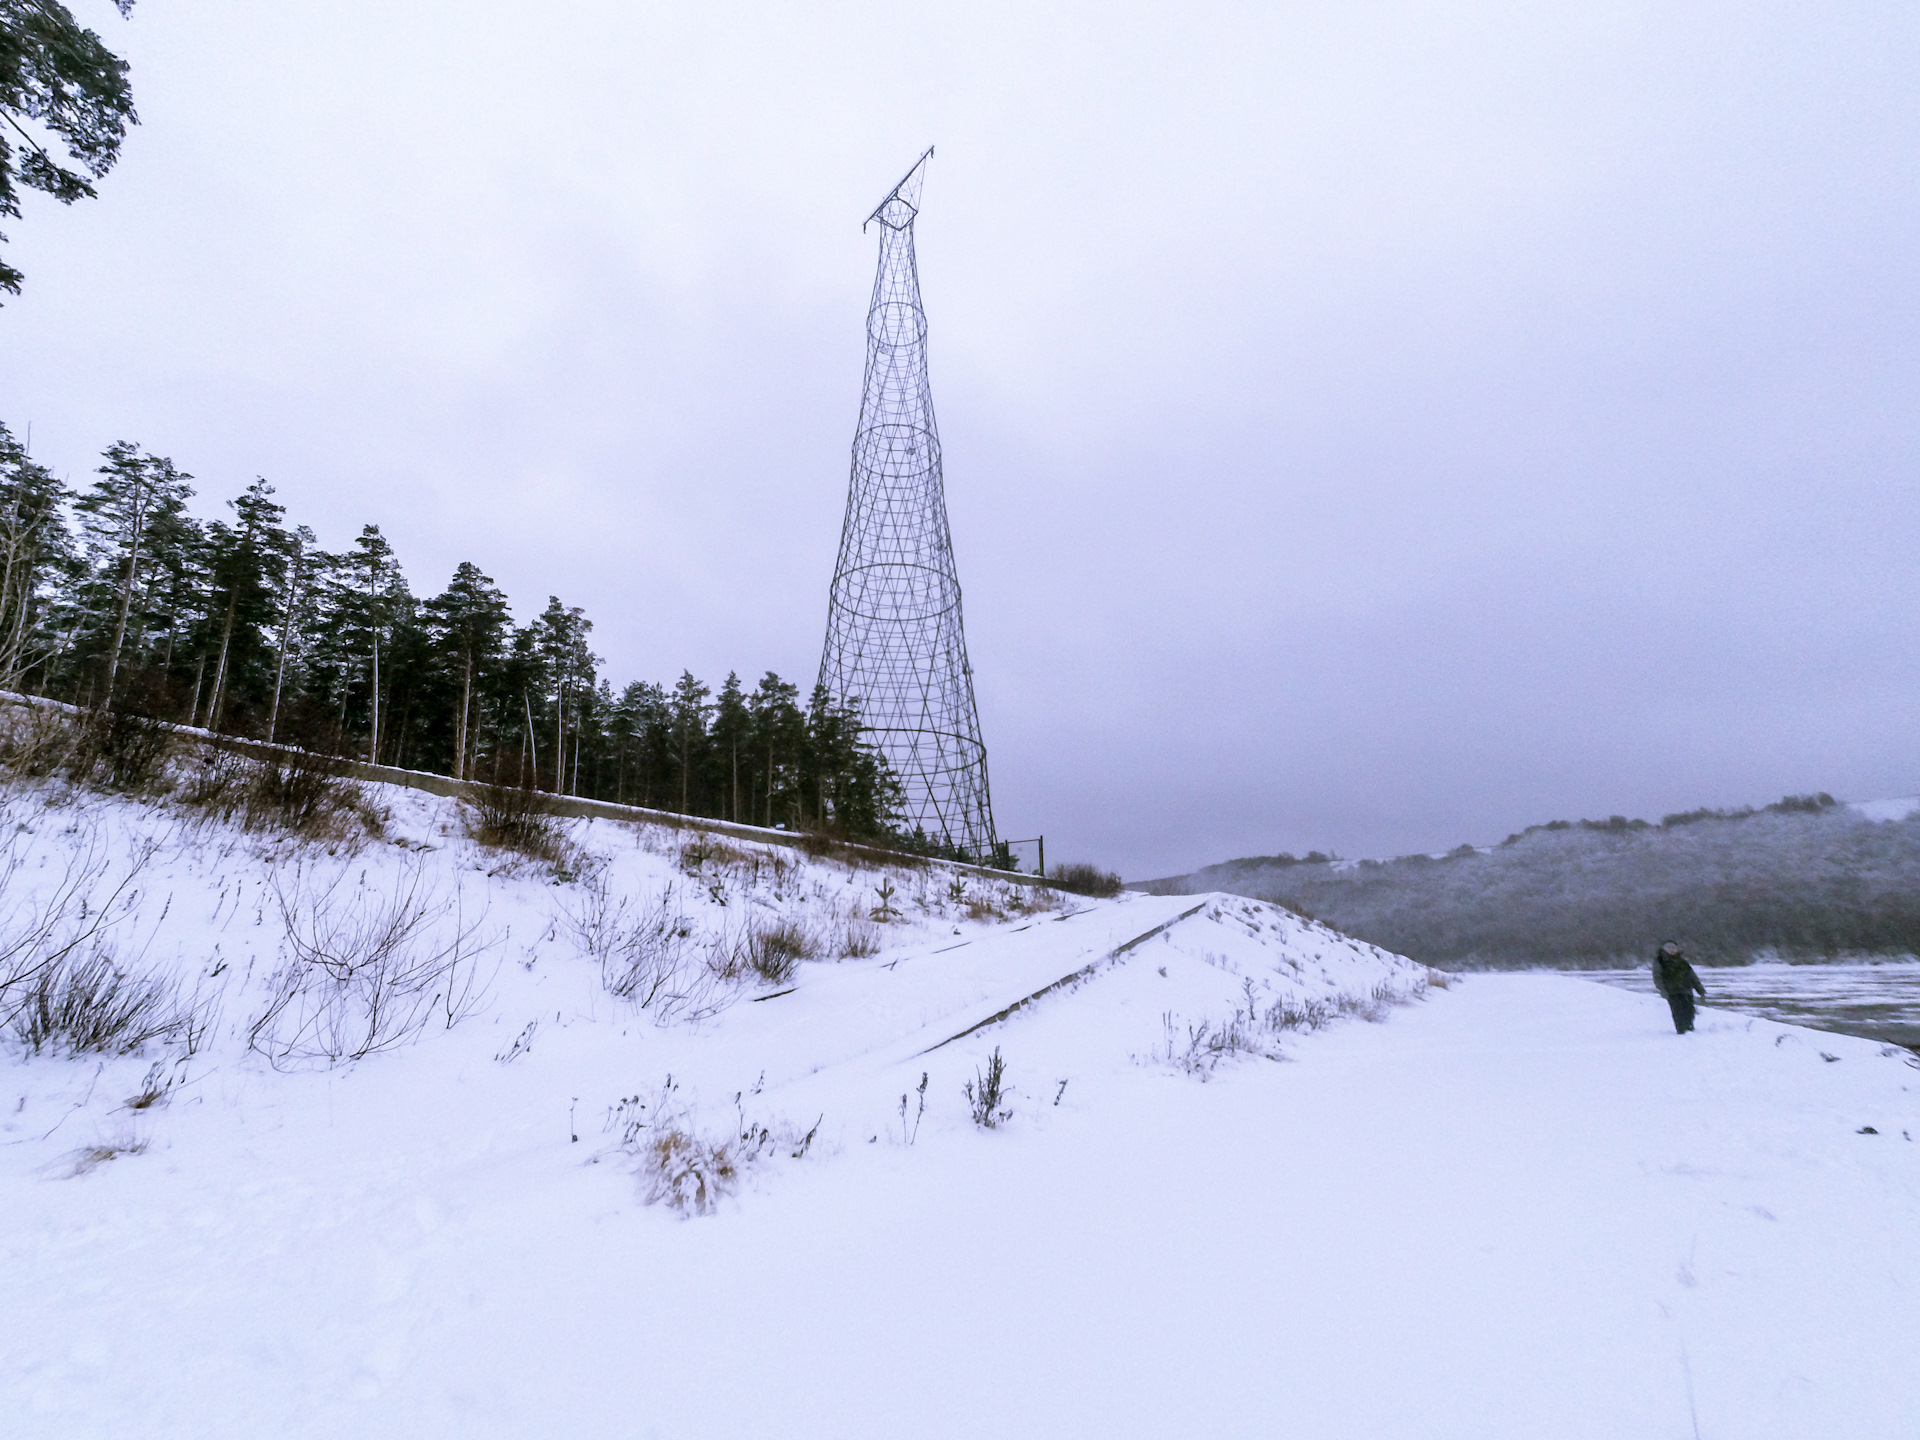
[1367,426]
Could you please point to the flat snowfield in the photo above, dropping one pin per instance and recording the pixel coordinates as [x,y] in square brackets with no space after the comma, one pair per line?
[1519,1209]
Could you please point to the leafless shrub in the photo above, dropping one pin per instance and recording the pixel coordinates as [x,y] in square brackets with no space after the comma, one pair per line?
[88,1004]
[1206,1044]
[308,794]
[1291,1014]
[709,853]
[1253,1031]
[121,750]
[816,845]
[1033,899]
[43,933]
[522,1044]
[366,972]
[37,740]
[986,1093]
[290,791]
[214,782]
[1084,879]
[516,818]
[653,955]
[199,1019]
[776,948]
[1376,1003]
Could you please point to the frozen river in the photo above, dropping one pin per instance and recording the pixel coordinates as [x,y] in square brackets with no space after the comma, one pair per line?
[1880,1002]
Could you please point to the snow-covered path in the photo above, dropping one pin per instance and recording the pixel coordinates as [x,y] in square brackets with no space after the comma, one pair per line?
[1524,1208]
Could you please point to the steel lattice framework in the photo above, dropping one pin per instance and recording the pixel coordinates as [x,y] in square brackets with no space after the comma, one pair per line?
[894,636]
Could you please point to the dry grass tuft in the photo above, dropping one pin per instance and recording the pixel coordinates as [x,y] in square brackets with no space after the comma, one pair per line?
[776,948]
[858,939]
[95,1156]
[679,1167]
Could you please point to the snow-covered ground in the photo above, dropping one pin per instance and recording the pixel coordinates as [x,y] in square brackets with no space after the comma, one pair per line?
[1879,999]
[1516,1206]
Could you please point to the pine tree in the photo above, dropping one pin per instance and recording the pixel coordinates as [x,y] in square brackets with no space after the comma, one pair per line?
[688,718]
[57,73]
[36,557]
[643,727]
[248,563]
[136,496]
[779,733]
[731,732]
[368,599]
[564,670]
[467,628]
[296,605]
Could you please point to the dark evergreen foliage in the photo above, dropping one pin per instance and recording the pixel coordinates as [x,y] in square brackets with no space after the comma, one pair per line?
[246,627]
[58,76]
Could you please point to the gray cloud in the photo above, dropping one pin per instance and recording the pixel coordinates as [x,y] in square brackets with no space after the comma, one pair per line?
[1366,427]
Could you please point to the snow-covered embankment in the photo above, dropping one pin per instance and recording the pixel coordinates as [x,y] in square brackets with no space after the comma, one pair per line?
[1522,1208]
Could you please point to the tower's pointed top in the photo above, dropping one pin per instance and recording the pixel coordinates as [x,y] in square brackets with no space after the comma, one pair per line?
[903,201]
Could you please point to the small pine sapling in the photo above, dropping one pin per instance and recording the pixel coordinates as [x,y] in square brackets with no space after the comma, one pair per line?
[885,909]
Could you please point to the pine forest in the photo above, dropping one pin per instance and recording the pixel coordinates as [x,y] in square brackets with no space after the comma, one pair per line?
[117,596]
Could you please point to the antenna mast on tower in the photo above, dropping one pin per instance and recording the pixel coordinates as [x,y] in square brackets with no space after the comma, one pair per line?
[895,642]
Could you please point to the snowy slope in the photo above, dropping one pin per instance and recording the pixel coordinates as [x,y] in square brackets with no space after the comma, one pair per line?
[1514,1209]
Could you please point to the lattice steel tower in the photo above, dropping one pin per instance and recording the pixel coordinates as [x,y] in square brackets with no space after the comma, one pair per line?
[894,637]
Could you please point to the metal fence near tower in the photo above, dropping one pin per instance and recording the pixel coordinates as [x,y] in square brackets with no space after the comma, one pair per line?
[895,642]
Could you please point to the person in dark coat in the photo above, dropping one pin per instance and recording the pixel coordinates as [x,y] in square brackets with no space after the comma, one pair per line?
[1673,977]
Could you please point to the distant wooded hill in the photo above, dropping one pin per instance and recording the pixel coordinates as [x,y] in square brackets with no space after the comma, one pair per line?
[1805,879]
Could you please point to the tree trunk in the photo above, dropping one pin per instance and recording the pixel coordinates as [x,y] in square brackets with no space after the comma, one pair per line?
[126,592]
[532,743]
[220,669]
[460,730]
[373,740]
[286,634]
[199,676]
